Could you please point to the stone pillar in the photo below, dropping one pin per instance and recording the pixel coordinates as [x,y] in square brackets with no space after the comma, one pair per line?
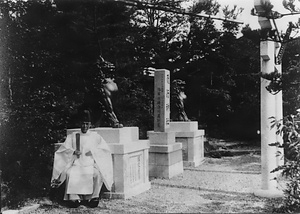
[130,161]
[192,141]
[165,155]
[271,106]
[161,100]
[279,111]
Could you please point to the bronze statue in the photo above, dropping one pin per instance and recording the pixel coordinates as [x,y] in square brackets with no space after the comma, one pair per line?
[97,95]
[109,117]
[177,101]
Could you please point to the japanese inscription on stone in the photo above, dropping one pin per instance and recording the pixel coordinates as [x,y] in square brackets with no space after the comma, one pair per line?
[161,100]
[135,169]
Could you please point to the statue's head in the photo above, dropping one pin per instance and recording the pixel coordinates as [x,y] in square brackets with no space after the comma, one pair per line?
[178,85]
[85,121]
[110,85]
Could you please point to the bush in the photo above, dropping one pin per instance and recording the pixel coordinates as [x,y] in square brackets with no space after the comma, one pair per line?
[26,157]
[289,129]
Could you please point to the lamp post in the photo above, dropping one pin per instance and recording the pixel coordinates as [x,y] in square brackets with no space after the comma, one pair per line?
[271,106]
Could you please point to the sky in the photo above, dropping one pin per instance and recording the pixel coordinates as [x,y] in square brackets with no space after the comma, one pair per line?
[247,18]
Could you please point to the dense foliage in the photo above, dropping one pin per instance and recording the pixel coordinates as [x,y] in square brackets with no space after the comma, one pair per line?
[291,75]
[54,57]
[289,129]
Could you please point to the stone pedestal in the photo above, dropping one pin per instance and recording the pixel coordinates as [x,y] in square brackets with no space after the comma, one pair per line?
[192,141]
[130,161]
[165,155]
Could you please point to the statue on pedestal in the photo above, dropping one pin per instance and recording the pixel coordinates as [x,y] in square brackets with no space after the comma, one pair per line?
[109,116]
[177,101]
[98,92]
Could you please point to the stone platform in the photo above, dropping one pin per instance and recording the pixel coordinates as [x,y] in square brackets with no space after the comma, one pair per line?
[192,141]
[165,155]
[130,161]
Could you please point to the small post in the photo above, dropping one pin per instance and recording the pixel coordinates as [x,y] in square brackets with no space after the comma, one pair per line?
[77,143]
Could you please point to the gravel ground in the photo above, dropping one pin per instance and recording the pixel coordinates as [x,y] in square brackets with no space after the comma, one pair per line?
[217,186]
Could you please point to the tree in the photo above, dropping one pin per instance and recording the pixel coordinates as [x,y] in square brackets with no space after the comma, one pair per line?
[48,66]
[28,68]
[208,58]
[291,72]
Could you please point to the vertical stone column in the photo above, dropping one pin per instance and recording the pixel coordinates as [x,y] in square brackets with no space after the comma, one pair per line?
[165,155]
[279,111]
[161,100]
[271,106]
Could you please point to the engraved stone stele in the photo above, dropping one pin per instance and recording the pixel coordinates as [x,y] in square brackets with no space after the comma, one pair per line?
[165,154]
[130,161]
[161,100]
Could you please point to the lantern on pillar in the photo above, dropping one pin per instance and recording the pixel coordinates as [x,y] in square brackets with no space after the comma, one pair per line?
[263,8]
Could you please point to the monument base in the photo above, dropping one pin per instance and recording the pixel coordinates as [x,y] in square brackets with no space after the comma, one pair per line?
[266,193]
[130,161]
[130,193]
[192,141]
[165,161]
[183,126]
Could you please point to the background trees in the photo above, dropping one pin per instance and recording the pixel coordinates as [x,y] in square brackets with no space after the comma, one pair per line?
[54,58]
[291,72]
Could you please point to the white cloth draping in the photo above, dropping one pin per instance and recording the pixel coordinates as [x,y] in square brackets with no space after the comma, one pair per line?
[80,173]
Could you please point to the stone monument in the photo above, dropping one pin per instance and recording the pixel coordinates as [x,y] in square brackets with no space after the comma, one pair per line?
[165,154]
[130,161]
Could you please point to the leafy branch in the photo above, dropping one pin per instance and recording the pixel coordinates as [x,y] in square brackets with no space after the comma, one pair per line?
[275,79]
[288,128]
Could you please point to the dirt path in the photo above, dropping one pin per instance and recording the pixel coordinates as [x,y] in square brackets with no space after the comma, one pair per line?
[217,186]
